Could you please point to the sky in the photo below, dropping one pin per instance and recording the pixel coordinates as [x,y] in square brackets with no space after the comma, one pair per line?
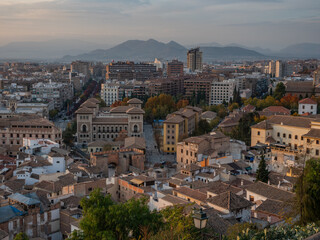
[265,23]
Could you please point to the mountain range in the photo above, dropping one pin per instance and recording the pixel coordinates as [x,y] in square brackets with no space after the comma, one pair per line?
[139,50]
[52,49]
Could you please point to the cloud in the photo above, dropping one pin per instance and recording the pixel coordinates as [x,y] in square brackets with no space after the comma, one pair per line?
[264,22]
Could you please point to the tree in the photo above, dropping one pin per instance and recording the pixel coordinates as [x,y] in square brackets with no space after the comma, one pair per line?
[262,172]
[234,230]
[21,236]
[203,127]
[103,219]
[280,91]
[233,106]
[215,122]
[102,103]
[178,225]
[243,131]
[68,133]
[308,192]
[53,113]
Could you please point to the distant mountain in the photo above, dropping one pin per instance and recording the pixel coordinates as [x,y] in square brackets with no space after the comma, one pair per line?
[138,50]
[135,50]
[51,49]
[225,53]
[301,50]
[210,44]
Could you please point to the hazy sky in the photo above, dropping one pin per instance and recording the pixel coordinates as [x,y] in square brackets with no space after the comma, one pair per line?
[264,23]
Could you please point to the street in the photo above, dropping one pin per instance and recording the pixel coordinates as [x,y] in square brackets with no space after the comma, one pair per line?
[152,153]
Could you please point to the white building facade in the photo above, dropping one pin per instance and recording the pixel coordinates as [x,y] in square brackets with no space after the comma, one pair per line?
[109,93]
[221,91]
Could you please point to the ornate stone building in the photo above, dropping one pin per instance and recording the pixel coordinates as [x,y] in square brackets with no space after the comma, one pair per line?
[94,123]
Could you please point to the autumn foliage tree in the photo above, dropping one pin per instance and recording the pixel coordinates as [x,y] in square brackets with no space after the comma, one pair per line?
[158,107]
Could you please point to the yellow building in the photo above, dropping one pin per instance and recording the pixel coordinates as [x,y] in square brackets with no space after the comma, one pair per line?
[291,139]
[179,125]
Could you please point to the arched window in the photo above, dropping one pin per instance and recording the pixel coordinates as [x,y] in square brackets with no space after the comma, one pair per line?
[84,128]
[135,128]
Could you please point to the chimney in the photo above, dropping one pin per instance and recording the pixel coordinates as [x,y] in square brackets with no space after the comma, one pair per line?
[241,182]
[268,182]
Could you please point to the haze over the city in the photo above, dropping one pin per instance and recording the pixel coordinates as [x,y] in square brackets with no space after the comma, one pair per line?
[266,23]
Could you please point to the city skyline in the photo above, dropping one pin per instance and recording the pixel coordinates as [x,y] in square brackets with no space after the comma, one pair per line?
[269,23]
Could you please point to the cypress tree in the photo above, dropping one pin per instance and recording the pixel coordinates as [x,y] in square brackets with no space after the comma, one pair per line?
[262,172]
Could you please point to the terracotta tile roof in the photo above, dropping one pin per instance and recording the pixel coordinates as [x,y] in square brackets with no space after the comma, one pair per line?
[274,207]
[209,114]
[313,133]
[188,192]
[174,119]
[269,192]
[135,142]
[302,122]
[84,110]
[134,101]
[230,201]
[221,187]
[135,110]
[307,101]
[248,108]
[15,185]
[277,109]
[174,200]
[120,109]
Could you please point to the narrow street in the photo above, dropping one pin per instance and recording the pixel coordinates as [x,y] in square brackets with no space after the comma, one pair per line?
[152,153]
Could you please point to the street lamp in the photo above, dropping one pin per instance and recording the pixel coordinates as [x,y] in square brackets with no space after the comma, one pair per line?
[200,219]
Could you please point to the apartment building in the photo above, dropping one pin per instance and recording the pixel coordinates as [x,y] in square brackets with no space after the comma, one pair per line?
[179,125]
[30,213]
[81,67]
[307,106]
[194,60]
[174,68]
[109,92]
[172,86]
[94,123]
[13,130]
[221,92]
[129,70]
[57,92]
[197,150]
[290,138]
[198,87]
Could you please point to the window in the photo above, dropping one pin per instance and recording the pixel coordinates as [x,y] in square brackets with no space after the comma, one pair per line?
[181,150]
[284,135]
[296,146]
[308,140]
[302,106]
[187,152]
[308,150]
[290,136]
[258,133]
[317,152]
[317,141]
[296,137]
[278,134]
[311,107]
[301,138]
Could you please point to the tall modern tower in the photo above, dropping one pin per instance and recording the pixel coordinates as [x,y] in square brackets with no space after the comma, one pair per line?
[194,59]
